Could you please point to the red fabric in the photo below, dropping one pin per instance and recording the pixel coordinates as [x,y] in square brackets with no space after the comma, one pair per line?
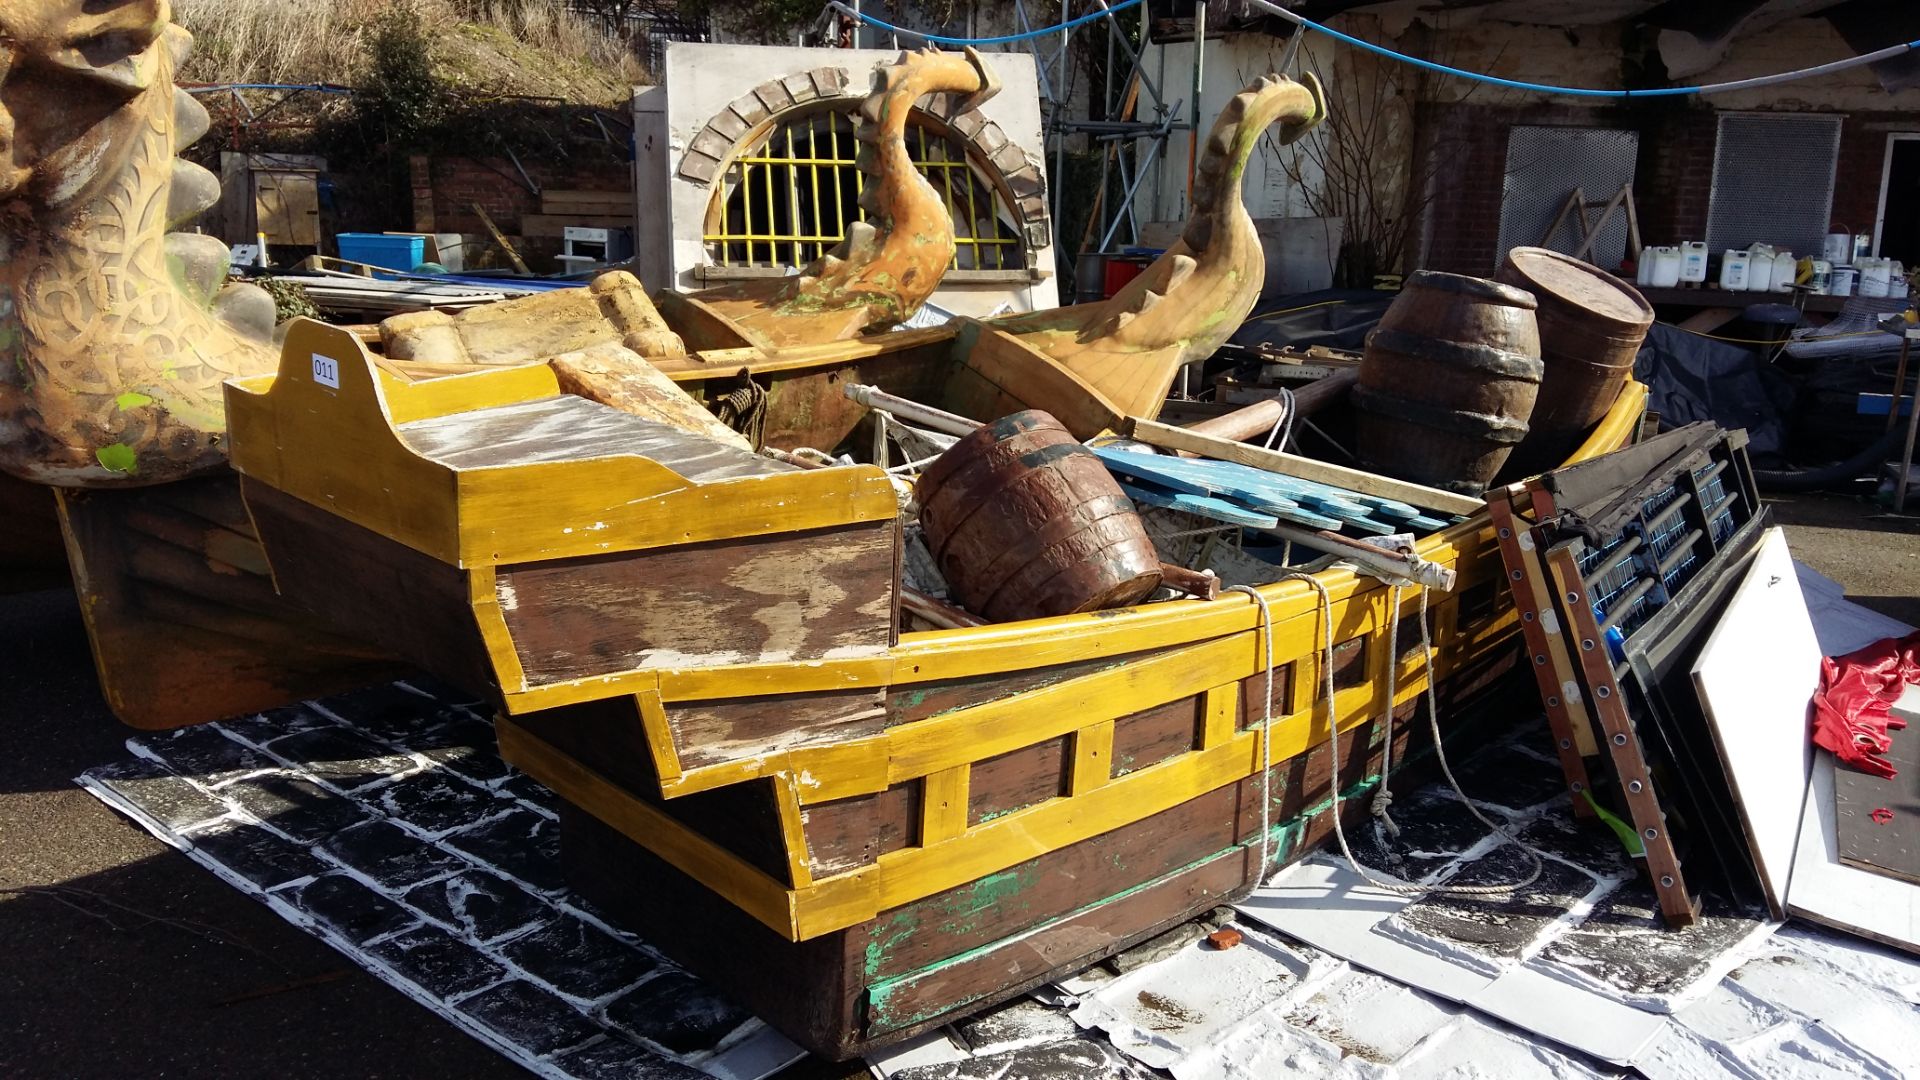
[1851,714]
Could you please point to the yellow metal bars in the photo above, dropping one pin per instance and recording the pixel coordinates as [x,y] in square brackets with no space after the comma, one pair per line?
[751,214]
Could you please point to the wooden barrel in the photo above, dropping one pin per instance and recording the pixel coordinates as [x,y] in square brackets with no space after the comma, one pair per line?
[1591,327]
[1447,381]
[1026,523]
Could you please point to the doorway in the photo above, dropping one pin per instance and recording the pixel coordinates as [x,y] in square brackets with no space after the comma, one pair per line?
[1896,234]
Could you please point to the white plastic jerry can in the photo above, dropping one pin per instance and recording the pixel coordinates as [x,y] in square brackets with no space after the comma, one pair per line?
[1693,260]
[1733,271]
[1785,271]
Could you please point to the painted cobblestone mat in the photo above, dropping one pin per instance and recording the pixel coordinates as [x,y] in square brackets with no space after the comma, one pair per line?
[385,823]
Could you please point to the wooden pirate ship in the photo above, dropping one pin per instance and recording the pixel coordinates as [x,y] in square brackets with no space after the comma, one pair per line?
[857,826]
[701,652]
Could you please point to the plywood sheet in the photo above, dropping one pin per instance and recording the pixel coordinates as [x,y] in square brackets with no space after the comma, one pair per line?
[1756,676]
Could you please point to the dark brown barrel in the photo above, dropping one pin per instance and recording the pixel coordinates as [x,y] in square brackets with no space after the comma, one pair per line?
[1026,523]
[1447,381]
[1591,327]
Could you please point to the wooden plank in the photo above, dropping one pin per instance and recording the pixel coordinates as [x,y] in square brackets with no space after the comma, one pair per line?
[405,601]
[1174,438]
[750,889]
[176,654]
[1202,505]
[1018,779]
[1029,379]
[1756,675]
[849,833]
[783,597]
[943,805]
[1221,708]
[1148,737]
[1093,749]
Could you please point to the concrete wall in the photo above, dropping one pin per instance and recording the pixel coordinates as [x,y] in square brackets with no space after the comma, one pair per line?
[700,81]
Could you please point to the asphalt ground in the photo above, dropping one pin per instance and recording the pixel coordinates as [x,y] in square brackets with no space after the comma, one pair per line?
[120,958]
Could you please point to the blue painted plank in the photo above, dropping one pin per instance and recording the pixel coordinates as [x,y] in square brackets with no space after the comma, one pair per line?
[1203,505]
[1148,467]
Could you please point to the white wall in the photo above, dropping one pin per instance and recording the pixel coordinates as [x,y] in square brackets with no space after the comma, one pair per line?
[699,80]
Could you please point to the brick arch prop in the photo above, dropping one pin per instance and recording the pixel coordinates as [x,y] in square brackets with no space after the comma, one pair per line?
[755,112]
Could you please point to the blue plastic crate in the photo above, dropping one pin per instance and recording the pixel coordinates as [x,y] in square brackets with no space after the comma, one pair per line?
[401,253]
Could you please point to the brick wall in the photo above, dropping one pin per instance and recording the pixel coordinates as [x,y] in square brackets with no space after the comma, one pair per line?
[459,182]
[1673,178]
[1463,147]
[1863,150]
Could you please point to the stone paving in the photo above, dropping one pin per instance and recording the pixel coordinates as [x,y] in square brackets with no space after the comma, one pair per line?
[385,823]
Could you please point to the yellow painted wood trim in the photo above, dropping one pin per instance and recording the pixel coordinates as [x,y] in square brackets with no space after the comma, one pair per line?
[825,773]
[659,735]
[562,509]
[1615,429]
[1092,758]
[717,681]
[943,804]
[793,832]
[743,885]
[484,597]
[997,727]
[409,401]
[1222,705]
[728,363]
[320,430]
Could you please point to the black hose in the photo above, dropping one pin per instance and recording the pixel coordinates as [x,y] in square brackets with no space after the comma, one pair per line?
[1854,467]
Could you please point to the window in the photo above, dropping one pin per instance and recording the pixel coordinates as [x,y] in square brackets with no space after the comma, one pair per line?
[1773,181]
[788,199]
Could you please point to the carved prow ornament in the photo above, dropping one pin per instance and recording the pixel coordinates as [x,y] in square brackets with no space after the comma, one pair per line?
[1184,306]
[891,263]
[115,334]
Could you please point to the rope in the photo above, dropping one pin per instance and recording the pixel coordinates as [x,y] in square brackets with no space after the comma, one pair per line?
[1005,39]
[1266,732]
[1324,632]
[1542,88]
[745,411]
[1779,341]
[1291,310]
[1283,427]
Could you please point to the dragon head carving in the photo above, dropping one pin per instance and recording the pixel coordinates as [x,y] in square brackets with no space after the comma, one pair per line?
[115,334]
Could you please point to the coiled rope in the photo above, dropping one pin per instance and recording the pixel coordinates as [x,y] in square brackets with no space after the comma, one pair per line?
[1383,799]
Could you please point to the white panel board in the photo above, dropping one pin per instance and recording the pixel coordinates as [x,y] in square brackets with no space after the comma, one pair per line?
[1756,677]
[1826,891]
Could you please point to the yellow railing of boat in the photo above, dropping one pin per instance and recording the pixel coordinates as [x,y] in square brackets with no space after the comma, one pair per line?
[1204,649]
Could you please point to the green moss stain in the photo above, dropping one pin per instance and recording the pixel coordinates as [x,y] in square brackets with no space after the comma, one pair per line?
[954,912]
[118,457]
[131,400]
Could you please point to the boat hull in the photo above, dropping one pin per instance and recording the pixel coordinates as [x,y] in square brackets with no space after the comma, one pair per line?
[917,966]
[183,617]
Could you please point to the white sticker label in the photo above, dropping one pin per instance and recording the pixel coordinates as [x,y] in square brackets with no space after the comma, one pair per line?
[326,371]
[1549,622]
[1525,539]
[1571,691]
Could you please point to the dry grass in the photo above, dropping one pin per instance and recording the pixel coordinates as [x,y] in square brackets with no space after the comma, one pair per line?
[301,41]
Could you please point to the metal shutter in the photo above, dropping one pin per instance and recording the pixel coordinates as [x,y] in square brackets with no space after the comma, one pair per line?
[1773,180]
[1544,165]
